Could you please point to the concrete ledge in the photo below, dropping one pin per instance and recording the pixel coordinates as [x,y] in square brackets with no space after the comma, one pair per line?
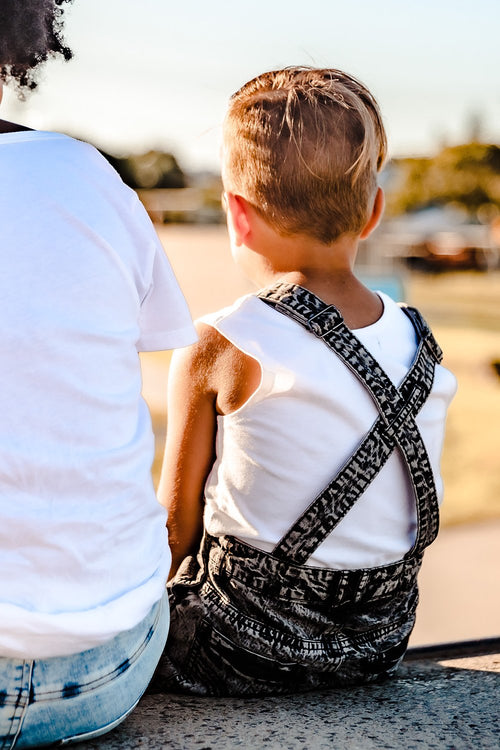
[445,697]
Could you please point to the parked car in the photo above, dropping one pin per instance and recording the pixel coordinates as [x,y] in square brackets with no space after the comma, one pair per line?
[440,239]
[461,248]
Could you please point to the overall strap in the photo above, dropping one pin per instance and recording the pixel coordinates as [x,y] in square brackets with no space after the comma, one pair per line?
[395,425]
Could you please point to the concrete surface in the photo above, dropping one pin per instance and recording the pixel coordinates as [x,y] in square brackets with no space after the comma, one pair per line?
[446,702]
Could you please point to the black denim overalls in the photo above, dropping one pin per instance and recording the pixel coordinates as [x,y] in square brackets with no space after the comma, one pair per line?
[249,622]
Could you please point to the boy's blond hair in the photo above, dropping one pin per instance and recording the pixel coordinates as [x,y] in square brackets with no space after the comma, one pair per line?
[304,146]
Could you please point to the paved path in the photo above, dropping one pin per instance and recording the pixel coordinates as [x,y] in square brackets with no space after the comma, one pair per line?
[460,585]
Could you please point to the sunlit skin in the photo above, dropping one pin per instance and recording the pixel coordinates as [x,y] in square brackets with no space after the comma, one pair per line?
[213,377]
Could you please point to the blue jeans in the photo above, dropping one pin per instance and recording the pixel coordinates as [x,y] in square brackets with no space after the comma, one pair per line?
[81,696]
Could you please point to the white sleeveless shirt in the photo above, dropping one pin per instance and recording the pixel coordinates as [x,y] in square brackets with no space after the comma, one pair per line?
[306,418]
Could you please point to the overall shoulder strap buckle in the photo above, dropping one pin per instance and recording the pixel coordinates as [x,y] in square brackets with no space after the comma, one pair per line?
[325,321]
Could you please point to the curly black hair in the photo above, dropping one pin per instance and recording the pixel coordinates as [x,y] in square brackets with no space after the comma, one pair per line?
[30,33]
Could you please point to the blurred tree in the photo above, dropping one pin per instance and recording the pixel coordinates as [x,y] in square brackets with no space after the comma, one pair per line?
[155,169]
[468,175]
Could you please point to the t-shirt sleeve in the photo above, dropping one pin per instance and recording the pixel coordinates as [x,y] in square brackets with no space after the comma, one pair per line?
[165,320]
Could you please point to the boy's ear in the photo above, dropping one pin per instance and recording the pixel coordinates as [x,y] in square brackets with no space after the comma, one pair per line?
[239,217]
[376,214]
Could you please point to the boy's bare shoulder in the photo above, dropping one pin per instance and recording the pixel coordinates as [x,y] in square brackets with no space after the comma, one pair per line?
[200,360]
[211,346]
[219,367]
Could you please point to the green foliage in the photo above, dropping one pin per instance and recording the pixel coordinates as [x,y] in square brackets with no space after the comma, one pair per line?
[468,175]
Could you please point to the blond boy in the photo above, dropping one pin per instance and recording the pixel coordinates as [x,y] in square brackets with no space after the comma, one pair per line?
[305,426]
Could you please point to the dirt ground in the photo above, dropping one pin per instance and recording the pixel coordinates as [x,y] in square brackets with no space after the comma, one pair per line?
[462,568]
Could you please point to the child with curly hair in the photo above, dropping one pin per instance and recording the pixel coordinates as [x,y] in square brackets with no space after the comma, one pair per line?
[84,286]
[306,425]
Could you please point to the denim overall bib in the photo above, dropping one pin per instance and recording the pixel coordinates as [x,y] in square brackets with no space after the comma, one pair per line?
[247,622]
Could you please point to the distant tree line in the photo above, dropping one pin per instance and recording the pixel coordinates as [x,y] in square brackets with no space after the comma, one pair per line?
[155,169]
[467,175]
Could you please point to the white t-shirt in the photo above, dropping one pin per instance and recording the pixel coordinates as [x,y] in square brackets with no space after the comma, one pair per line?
[307,417]
[84,286]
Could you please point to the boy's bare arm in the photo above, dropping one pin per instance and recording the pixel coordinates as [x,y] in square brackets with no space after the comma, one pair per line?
[210,378]
[190,445]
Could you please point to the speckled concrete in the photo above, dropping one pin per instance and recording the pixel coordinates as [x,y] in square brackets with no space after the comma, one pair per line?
[436,702]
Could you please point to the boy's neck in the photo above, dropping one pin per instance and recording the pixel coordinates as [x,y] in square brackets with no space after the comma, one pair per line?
[277,254]
[326,270]
[265,256]
[359,306]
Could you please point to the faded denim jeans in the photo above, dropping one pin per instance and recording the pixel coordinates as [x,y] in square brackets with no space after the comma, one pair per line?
[73,698]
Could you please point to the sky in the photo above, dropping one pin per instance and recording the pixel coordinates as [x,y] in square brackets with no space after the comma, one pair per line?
[157,74]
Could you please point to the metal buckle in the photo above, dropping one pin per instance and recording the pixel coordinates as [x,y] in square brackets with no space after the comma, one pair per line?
[338,322]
